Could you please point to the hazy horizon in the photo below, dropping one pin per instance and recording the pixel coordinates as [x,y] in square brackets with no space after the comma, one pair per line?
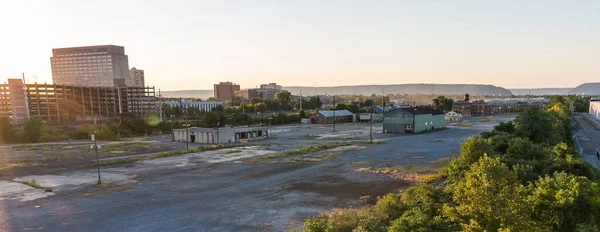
[536,44]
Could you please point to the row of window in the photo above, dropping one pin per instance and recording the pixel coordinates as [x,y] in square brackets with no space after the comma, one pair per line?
[82,54]
[81,61]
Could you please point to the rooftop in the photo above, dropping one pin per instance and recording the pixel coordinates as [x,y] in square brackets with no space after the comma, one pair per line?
[338,113]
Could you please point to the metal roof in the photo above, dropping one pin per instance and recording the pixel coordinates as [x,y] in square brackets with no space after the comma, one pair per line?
[338,113]
[418,110]
[515,101]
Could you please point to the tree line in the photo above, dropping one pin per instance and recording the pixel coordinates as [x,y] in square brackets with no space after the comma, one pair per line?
[522,176]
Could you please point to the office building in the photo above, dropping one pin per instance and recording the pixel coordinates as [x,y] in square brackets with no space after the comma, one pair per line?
[136,78]
[266,91]
[102,66]
[204,106]
[55,104]
[226,90]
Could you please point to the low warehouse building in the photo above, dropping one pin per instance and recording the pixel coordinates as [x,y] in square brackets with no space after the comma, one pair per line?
[330,116]
[413,120]
[220,135]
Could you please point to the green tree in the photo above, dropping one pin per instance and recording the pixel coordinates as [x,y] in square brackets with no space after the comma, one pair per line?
[260,107]
[490,199]
[256,100]
[7,130]
[283,97]
[443,103]
[33,130]
[302,114]
[536,125]
[367,103]
[470,152]
[563,202]
[315,102]
[341,106]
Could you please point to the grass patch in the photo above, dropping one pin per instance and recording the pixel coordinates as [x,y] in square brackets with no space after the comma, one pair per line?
[309,136]
[464,124]
[368,142]
[488,119]
[416,173]
[317,147]
[234,151]
[36,185]
[105,188]
[301,151]
[162,155]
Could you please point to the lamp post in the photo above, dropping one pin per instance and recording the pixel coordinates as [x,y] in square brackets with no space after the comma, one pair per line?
[334,108]
[371,136]
[218,125]
[96,147]
[509,113]
[269,132]
[172,132]
[234,123]
[187,135]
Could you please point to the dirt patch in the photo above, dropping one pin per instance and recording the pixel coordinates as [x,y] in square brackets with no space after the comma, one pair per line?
[35,159]
[94,190]
[344,189]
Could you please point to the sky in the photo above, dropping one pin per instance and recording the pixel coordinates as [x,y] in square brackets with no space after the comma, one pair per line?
[193,44]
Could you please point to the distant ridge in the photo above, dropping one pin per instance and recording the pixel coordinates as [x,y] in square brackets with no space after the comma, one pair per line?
[541,91]
[403,89]
[587,89]
[368,90]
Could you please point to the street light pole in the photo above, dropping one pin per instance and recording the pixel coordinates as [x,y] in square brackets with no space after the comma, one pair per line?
[269,132]
[334,108]
[172,131]
[187,135]
[97,159]
[371,137]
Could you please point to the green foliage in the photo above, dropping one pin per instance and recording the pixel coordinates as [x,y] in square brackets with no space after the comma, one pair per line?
[519,177]
[470,152]
[536,125]
[563,202]
[33,130]
[490,198]
[7,130]
[443,103]
[302,114]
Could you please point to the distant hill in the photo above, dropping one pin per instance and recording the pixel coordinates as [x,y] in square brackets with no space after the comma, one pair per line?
[587,89]
[202,94]
[541,91]
[367,90]
[403,89]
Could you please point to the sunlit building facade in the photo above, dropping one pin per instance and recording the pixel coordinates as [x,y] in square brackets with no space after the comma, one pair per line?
[105,66]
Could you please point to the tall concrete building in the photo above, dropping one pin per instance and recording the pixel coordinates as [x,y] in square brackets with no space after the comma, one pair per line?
[105,65]
[226,90]
[136,77]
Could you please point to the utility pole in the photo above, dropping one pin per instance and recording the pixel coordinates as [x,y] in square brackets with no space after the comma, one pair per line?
[334,107]
[300,99]
[371,136]
[97,159]
[187,146]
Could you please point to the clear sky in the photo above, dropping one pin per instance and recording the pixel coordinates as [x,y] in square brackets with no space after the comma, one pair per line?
[194,44]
